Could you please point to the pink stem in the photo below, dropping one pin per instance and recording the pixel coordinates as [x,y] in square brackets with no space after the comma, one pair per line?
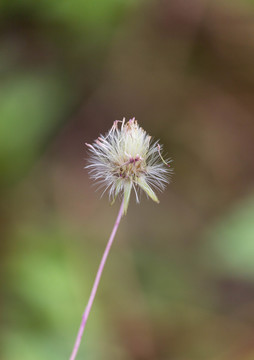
[95,285]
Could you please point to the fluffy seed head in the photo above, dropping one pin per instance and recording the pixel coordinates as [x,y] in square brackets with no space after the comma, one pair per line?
[126,158]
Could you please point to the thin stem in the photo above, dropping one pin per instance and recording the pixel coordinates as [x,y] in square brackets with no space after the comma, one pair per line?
[95,285]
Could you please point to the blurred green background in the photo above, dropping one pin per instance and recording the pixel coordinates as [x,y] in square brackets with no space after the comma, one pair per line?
[179,282]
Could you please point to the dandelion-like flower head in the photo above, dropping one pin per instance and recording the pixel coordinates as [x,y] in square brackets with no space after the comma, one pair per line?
[126,158]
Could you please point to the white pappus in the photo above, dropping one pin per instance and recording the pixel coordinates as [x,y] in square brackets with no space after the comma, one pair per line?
[125,159]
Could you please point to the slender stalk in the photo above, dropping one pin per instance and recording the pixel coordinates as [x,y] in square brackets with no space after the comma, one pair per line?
[96,283]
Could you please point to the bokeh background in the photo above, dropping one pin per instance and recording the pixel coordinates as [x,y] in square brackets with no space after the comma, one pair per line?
[179,282]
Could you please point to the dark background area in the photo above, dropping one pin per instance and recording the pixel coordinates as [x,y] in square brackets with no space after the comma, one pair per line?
[179,282]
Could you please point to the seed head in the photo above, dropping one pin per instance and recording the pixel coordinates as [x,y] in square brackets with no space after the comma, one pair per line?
[126,158]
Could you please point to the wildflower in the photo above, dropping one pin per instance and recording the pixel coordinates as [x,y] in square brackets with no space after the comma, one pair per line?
[125,159]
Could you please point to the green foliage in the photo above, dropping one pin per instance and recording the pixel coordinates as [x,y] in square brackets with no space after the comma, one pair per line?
[28,116]
[230,245]
[98,16]
[44,314]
